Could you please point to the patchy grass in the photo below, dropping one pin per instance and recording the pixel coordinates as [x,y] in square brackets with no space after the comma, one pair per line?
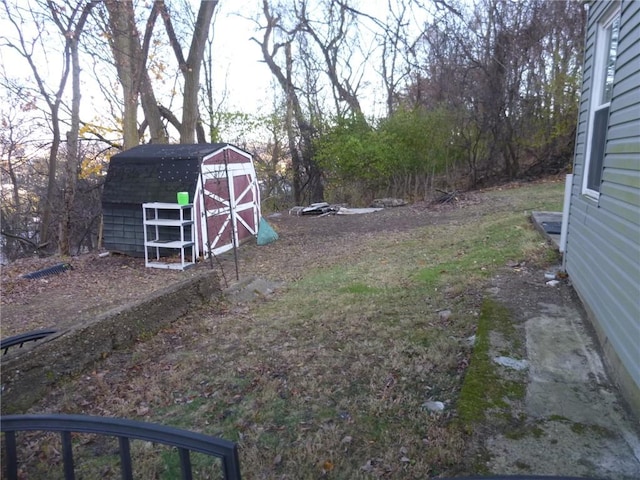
[331,377]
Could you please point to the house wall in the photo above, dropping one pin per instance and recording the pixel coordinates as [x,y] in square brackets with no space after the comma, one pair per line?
[603,240]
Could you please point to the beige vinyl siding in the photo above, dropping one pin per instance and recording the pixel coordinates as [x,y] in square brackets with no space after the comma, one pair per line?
[603,240]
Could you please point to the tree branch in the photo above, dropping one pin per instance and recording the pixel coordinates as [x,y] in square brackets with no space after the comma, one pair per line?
[173,38]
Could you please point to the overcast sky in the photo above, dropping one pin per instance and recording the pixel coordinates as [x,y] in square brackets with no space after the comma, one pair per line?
[247,76]
[239,66]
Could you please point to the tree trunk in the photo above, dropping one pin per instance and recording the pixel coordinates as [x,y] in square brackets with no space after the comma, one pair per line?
[120,17]
[72,34]
[190,67]
[190,114]
[157,132]
[130,62]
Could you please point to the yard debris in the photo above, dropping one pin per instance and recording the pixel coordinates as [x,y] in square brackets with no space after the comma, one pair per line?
[377,467]
[388,202]
[356,211]
[327,466]
[318,209]
[553,283]
[322,209]
[296,210]
[556,273]
[45,272]
[447,197]
[404,451]
[313,209]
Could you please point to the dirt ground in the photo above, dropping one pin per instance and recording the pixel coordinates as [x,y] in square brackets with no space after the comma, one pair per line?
[97,283]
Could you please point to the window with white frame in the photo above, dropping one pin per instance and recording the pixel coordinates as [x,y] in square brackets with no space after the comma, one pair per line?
[601,90]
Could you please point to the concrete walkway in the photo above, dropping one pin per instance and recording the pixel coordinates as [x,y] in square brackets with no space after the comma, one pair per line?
[575,421]
[579,426]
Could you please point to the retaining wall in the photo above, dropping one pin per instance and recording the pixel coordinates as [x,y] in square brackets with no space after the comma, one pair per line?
[28,372]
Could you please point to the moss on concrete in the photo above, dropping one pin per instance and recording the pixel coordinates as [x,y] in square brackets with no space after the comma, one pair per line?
[484,388]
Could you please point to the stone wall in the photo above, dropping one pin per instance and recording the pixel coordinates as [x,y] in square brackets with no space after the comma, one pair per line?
[28,372]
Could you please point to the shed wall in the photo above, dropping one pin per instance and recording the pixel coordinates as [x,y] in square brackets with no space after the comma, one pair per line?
[603,239]
[149,173]
[122,229]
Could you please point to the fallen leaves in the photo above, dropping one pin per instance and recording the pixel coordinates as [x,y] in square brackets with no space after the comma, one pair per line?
[327,466]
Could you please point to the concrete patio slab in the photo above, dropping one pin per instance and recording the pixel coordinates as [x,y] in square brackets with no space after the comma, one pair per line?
[542,221]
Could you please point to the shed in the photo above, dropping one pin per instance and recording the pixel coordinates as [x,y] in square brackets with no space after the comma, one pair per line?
[219,178]
[602,251]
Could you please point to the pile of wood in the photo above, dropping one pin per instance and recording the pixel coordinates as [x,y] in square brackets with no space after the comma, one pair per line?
[447,197]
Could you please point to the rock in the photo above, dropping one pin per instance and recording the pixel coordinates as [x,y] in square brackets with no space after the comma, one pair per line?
[444,315]
[433,406]
[512,363]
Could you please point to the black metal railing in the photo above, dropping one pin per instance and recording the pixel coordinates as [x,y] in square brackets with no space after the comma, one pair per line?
[7,343]
[125,430]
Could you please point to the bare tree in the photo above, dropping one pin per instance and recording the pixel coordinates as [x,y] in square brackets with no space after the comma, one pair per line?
[16,209]
[190,66]
[130,58]
[307,177]
[209,69]
[395,44]
[71,25]
[331,36]
[508,71]
[25,47]
[269,158]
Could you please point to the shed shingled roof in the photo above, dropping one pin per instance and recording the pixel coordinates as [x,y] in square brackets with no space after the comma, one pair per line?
[155,173]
